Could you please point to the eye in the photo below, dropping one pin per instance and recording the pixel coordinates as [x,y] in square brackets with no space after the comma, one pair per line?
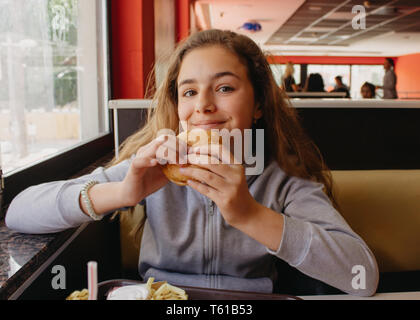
[225,89]
[188,93]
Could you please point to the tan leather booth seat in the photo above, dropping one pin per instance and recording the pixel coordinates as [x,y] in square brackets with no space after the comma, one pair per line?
[383,207]
[130,240]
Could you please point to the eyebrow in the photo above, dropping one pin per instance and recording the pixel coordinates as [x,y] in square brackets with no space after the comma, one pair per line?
[215,76]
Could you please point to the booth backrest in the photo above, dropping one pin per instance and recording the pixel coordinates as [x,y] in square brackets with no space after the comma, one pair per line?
[383,207]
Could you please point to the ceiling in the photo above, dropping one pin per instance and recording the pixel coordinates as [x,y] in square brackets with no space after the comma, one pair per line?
[320,27]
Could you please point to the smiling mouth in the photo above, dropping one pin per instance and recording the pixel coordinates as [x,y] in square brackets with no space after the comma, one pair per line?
[208,124]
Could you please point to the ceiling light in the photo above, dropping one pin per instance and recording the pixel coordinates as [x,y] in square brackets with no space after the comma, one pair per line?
[384,11]
[320,29]
[302,39]
[342,15]
[344,36]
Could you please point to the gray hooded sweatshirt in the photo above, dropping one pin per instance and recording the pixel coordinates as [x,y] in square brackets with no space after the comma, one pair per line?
[187,242]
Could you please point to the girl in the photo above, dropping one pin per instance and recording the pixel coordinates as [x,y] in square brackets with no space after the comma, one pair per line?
[226,232]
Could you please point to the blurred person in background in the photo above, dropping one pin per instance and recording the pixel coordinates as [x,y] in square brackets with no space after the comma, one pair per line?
[341,87]
[389,81]
[368,90]
[314,83]
[288,81]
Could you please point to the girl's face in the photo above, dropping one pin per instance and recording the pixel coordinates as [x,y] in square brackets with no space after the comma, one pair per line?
[214,91]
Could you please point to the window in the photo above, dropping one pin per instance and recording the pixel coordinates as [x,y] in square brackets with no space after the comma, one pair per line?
[362,73]
[53,78]
[329,72]
[278,72]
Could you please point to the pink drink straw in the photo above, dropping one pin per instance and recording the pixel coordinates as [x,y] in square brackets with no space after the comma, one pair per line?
[93,280]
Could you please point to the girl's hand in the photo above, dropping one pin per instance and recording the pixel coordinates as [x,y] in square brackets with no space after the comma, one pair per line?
[145,175]
[221,180]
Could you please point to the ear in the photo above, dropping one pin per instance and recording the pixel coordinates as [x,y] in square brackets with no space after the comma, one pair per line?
[257,112]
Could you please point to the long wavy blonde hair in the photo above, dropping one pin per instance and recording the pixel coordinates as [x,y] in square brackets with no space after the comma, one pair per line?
[284,137]
[290,70]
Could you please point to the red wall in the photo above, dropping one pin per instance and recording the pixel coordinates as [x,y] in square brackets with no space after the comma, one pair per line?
[132,47]
[407,70]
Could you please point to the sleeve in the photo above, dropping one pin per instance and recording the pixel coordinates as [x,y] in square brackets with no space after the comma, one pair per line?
[54,206]
[389,80]
[318,242]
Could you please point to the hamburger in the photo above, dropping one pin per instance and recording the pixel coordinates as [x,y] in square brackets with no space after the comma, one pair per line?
[193,138]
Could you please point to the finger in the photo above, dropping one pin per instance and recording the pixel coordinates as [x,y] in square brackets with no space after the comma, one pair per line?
[141,162]
[149,149]
[211,164]
[202,159]
[205,190]
[146,153]
[217,151]
[172,151]
[182,147]
[204,176]
[176,144]
[166,149]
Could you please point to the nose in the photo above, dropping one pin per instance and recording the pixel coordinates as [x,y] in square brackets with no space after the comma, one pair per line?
[205,103]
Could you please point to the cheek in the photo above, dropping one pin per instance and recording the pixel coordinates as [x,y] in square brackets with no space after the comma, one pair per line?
[242,113]
[185,110]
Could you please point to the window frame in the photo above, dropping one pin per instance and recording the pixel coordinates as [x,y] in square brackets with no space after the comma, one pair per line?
[69,162]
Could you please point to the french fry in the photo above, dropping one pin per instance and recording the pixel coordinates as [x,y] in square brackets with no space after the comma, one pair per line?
[79,295]
[169,292]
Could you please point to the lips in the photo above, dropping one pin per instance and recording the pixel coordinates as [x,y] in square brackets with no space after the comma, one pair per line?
[208,124]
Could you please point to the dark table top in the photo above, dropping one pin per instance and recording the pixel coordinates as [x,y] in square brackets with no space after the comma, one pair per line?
[23,254]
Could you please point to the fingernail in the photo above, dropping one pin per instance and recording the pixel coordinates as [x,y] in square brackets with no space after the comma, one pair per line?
[162,162]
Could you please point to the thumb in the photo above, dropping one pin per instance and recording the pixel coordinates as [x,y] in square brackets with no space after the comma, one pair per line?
[141,164]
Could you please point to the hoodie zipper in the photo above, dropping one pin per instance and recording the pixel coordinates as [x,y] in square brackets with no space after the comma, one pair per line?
[211,240]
